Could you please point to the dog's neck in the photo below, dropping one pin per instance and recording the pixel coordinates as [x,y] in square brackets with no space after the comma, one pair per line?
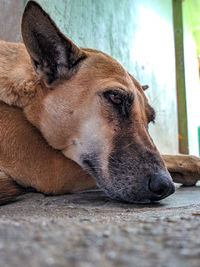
[18,82]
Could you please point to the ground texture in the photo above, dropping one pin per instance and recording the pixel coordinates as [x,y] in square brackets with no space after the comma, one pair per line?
[88,229]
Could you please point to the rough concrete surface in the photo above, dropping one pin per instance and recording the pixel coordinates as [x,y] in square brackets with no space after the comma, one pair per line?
[89,229]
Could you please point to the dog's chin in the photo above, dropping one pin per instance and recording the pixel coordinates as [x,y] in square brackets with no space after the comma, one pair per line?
[125,199]
[114,195]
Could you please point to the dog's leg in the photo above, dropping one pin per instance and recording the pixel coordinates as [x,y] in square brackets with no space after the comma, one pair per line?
[9,190]
[31,162]
[184,169]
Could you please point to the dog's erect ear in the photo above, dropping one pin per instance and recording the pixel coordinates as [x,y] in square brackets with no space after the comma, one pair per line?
[53,55]
[145,87]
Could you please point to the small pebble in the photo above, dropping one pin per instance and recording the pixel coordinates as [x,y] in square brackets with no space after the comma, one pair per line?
[106,233]
[172,219]
[111,255]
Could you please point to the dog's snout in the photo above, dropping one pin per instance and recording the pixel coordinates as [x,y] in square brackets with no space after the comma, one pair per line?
[160,186]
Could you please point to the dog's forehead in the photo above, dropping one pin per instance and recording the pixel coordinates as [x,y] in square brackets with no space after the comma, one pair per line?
[106,69]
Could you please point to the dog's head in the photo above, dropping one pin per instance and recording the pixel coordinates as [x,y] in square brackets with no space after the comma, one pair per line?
[95,112]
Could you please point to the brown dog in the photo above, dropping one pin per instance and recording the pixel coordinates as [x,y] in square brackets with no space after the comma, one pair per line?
[66,110]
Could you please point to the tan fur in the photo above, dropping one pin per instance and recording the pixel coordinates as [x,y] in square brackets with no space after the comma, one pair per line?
[26,156]
[18,82]
[31,162]
[45,169]
[184,169]
[9,190]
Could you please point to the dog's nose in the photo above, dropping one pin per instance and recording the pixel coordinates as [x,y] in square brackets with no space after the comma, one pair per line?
[160,186]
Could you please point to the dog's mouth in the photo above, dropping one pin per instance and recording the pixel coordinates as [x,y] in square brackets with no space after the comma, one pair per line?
[90,167]
[126,188]
[90,164]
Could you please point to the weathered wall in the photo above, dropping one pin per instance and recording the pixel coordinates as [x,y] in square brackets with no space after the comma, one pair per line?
[192,80]
[10,18]
[139,34]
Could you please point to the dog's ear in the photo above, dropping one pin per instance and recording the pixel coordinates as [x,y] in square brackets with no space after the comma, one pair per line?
[145,87]
[53,55]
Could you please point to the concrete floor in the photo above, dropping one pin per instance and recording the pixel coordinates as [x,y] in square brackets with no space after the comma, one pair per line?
[88,229]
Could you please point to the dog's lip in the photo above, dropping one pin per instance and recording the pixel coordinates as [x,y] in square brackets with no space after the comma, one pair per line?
[88,163]
[89,166]
[145,201]
[148,199]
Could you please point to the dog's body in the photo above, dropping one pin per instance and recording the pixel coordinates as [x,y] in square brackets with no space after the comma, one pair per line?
[24,148]
[61,104]
[31,162]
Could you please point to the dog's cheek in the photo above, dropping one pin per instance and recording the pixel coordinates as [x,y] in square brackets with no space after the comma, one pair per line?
[94,138]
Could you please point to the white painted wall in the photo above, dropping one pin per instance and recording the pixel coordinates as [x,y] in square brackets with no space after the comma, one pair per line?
[192,86]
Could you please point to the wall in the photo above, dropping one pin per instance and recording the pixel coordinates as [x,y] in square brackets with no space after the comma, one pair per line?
[192,80]
[10,18]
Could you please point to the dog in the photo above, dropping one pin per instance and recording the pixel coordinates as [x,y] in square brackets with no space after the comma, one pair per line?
[72,119]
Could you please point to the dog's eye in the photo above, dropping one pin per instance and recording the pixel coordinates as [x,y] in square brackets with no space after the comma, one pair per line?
[121,101]
[115,99]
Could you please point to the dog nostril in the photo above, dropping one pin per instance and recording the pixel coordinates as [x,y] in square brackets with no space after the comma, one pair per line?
[159,185]
[155,188]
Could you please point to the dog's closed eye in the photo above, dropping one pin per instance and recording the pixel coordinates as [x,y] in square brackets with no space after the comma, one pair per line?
[122,101]
[115,99]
